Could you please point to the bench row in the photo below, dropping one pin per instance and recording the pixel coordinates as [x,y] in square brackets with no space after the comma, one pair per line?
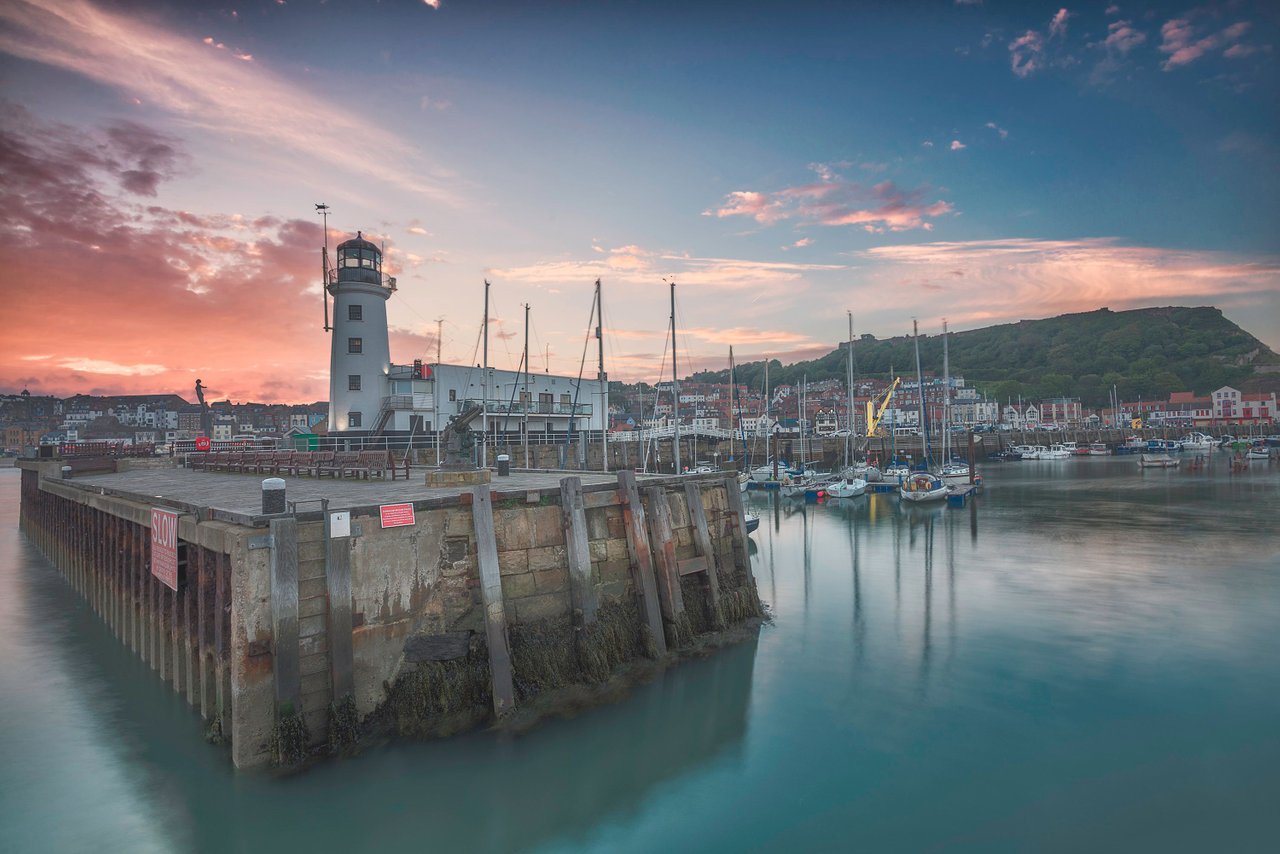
[359,464]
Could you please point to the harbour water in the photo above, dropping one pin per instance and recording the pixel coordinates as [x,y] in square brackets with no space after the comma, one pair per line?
[1082,659]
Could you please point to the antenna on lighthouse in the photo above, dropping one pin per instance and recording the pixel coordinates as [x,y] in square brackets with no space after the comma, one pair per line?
[323,210]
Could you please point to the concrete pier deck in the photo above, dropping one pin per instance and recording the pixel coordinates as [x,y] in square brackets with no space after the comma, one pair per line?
[237,498]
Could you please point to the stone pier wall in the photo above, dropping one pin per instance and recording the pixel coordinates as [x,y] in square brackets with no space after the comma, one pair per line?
[294,636]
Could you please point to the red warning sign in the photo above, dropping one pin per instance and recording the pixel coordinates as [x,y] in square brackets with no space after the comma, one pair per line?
[164,547]
[396,515]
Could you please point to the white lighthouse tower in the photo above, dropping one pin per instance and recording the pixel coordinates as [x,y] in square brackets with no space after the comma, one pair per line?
[360,357]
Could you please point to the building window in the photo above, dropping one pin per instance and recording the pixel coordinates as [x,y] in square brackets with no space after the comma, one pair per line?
[566,399]
[453,394]
[355,312]
[353,419]
[353,382]
[355,345]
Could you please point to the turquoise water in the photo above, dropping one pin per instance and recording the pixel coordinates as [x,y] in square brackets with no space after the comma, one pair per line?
[1083,659]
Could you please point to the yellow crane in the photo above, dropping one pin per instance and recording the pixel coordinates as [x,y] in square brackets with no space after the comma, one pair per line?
[875,413]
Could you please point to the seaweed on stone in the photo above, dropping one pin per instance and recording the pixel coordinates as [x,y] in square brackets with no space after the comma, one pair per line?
[438,698]
[542,655]
[618,635]
[679,632]
[289,737]
[214,734]
[740,604]
[344,724]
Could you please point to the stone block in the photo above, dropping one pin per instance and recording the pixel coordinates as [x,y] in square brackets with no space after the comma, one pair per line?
[612,590]
[548,557]
[513,562]
[541,607]
[443,478]
[615,570]
[512,529]
[616,549]
[597,524]
[598,549]
[518,586]
[551,580]
[547,529]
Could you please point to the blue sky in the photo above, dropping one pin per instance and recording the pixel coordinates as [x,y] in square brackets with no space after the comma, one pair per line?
[784,163]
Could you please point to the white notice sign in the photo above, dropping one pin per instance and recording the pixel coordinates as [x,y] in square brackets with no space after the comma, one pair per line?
[339,524]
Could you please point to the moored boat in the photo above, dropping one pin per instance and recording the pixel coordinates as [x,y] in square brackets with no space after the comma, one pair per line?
[846,488]
[1196,442]
[955,471]
[923,486]
[1157,461]
[752,522]
[1099,449]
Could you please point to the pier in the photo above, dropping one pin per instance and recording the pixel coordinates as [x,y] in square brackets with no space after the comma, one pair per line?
[381,606]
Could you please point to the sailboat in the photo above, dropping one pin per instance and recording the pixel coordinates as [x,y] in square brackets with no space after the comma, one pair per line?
[853,482]
[922,485]
[956,471]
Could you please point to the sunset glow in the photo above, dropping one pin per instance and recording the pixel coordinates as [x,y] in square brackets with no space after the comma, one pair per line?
[783,163]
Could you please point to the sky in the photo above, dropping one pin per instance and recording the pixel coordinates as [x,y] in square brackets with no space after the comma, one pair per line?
[782,163]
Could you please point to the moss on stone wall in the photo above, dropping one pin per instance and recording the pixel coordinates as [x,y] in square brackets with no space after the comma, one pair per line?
[438,698]
[344,724]
[289,737]
[619,635]
[543,656]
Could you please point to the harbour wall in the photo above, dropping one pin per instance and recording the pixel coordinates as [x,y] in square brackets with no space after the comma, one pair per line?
[294,635]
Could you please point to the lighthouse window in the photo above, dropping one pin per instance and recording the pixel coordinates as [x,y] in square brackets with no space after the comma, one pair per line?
[353,382]
[355,312]
[353,419]
[355,345]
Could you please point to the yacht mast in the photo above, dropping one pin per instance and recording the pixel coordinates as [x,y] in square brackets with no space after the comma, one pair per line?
[604,382]
[924,430]
[484,384]
[848,440]
[675,386]
[946,399]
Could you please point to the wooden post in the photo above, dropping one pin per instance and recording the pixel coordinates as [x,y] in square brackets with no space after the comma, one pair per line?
[739,514]
[574,518]
[973,461]
[633,519]
[284,613]
[702,537]
[337,573]
[495,614]
[670,597]
[190,646]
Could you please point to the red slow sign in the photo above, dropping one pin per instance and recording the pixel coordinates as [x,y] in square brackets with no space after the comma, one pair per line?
[203,443]
[164,547]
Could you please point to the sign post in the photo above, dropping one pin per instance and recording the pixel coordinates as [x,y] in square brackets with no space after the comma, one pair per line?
[164,547]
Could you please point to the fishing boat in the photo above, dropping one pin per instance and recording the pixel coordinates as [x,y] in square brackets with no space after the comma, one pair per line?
[1055,452]
[752,521]
[846,488]
[1157,461]
[1132,445]
[1008,456]
[1196,442]
[1099,449]
[1163,446]
[1027,452]
[1258,452]
[923,486]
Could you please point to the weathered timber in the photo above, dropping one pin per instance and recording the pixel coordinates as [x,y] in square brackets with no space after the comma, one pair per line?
[702,539]
[670,596]
[338,586]
[284,613]
[633,519]
[495,615]
[741,555]
[574,517]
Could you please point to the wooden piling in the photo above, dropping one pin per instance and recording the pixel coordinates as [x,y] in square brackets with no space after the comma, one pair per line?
[284,614]
[574,518]
[338,584]
[741,555]
[702,539]
[670,596]
[495,615]
[633,518]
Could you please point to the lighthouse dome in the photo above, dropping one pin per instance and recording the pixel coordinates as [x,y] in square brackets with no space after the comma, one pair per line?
[359,260]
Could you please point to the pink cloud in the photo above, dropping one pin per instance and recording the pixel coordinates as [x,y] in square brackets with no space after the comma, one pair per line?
[1058,24]
[957,145]
[1004,134]
[1183,44]
[833,201]
[1026,53]
[1122,37]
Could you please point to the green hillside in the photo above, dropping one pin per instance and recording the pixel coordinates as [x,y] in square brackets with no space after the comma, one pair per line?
[1147,352]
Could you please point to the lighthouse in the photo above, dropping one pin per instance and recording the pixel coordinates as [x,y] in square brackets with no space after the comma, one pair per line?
[359,355]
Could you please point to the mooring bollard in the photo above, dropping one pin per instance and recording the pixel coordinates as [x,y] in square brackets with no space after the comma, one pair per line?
[273,495]
[504,465]
[66,472]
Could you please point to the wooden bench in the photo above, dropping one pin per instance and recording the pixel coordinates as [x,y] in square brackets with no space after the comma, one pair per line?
[279,461]
[401,466]
[339,464]
[300,462]
[376,463]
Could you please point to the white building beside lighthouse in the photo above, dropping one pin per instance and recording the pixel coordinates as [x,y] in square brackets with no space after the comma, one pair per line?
[369,396]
